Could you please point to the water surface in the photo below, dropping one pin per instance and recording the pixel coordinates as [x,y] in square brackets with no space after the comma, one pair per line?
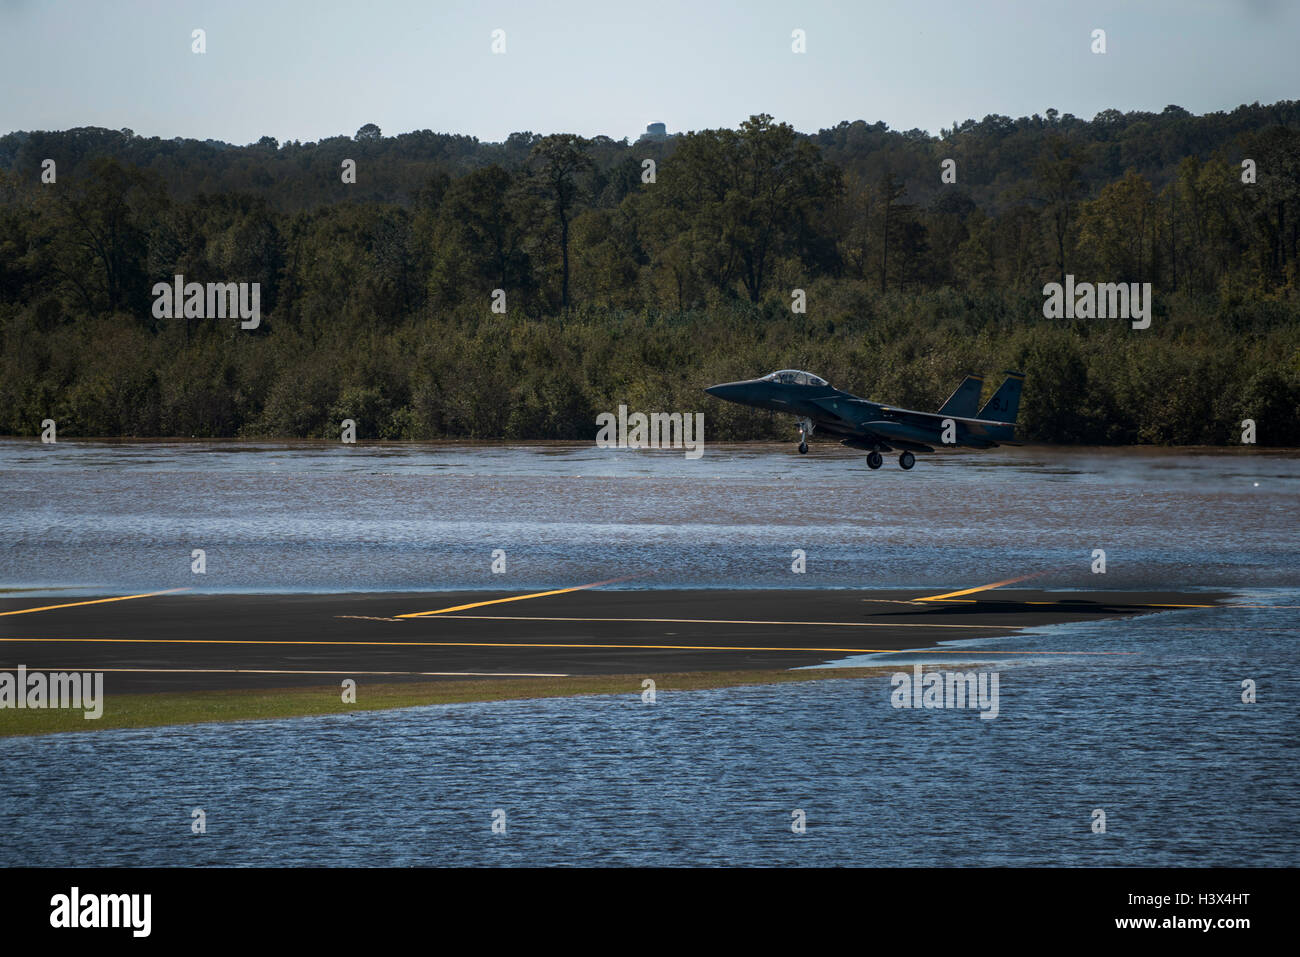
[1158,738]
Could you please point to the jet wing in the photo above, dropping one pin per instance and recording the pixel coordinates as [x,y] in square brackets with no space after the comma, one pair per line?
[884,415]
[873,423]
[908,428]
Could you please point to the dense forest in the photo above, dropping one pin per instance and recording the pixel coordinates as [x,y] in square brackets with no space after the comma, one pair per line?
[639,272]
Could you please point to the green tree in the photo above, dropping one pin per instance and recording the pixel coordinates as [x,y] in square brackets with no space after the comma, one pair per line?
[1058,177]
[95,232]
[1117,230]
[743,199]
[482,236]
[558,160]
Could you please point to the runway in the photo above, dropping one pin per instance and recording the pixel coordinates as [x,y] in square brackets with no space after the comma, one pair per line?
[180,640]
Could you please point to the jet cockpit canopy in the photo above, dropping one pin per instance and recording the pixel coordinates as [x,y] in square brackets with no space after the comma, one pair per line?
[794,377]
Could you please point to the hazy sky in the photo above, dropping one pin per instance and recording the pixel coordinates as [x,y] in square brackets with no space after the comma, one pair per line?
[304,70]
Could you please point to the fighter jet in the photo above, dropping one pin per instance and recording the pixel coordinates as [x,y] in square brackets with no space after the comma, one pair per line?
[875,428]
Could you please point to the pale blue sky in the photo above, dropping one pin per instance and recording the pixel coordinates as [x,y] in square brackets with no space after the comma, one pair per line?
[304,70]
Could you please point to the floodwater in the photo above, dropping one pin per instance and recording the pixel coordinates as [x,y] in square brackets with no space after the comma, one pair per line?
[1184,772]
[85,516]
[1185,745]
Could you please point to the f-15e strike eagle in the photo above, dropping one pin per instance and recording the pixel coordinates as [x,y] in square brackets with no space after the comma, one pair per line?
[862,424]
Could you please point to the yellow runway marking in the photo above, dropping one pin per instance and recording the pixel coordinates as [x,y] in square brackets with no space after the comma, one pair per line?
[1074,603]
[96,601]
[729,621]
[952,597]
[498,601]
[538,644]
[971,591]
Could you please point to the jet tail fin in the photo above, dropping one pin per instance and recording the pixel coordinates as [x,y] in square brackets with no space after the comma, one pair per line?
[965,399]
[1004,406]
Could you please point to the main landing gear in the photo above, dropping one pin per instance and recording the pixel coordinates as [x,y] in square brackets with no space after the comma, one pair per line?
[875,460]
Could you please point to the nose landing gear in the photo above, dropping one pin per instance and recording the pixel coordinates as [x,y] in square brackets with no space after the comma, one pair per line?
[805,430]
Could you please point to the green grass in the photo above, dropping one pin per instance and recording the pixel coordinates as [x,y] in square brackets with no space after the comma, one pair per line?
[168,708]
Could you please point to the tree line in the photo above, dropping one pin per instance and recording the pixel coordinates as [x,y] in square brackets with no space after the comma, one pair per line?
[639,272]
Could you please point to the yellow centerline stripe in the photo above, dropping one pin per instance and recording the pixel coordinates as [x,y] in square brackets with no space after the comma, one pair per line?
[497,601]
[528,644]
[728,621]
[96,601]
[1072,603]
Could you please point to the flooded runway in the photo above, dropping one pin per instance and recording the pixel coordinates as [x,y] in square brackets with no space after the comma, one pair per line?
[381,559]
[84,518]
[187,642]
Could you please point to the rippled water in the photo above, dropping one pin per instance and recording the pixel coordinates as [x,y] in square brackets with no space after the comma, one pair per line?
[1158,737]
[1160,741]
[110,516]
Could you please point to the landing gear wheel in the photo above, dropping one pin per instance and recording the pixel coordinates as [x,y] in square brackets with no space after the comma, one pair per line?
[907,460]
[874,460]
[803,448]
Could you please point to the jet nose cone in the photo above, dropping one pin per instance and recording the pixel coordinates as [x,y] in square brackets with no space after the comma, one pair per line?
[727,390]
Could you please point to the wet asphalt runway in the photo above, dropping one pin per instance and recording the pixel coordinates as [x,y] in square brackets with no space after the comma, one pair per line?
[185,641]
